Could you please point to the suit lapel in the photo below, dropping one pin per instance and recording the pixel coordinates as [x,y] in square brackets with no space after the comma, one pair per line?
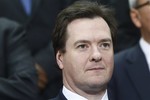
[139,73]
[35,5]
[110,96]
[2,51]
[60,96]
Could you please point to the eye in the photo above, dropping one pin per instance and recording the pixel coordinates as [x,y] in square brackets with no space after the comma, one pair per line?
[82,46]
[105,45]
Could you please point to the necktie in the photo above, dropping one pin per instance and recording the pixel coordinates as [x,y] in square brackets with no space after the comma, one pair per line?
[27,6]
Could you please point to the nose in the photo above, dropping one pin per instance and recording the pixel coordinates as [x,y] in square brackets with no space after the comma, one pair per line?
[95,55]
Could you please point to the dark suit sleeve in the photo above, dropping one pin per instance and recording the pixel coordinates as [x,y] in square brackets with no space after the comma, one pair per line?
[20,78]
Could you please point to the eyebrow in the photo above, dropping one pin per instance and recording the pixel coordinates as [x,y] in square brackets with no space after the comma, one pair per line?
[87,41]
[106,40]
[81,41]
[142,5]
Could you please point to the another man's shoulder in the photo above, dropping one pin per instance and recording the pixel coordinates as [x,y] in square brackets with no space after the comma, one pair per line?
[125,53]
[54,98]
[4,22]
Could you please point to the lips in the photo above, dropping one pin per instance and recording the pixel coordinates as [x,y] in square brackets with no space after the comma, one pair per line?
[96,68]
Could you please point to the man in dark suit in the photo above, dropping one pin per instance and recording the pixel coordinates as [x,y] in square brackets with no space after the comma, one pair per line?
[83,43]
[39,25]
[18,78]
[131,78]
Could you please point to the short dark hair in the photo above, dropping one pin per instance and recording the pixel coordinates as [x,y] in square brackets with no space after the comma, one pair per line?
[80,9]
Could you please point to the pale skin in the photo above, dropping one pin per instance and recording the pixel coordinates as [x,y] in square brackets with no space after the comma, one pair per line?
[87,64]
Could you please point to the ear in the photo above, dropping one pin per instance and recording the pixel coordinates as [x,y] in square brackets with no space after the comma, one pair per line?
[59,58]
[135,17]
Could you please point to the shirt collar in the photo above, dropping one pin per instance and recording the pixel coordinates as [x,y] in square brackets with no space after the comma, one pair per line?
[145,46]
[73,96]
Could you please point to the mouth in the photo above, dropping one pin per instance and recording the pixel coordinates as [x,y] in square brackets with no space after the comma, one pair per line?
[96,68]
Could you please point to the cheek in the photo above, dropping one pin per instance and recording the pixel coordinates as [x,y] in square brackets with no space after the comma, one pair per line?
[145,19]
[80,58]
[73,69]
[109,61]
[72,61]
[110,66]
[76,61]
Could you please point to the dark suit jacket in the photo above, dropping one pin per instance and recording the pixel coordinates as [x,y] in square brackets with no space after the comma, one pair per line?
[13,10]
[131,78]
[60,96]
[18,77]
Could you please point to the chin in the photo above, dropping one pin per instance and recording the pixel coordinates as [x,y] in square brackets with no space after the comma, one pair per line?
[95,88]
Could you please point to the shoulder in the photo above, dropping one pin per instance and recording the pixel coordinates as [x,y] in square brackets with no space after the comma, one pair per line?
[4,21]
[126,58]
[126,54]
[7,25]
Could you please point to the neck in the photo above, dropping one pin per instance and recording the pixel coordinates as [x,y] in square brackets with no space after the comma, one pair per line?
[89,94]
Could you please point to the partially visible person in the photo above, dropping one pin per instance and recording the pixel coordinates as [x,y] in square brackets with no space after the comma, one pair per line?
[127,34]
[18,77]
[39,23]
[131,78]
[83,43]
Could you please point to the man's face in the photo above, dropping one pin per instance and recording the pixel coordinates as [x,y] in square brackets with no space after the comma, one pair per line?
[87,64]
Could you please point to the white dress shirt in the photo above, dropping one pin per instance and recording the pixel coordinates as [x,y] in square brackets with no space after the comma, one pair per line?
[146,50]
[73,96]
[27,4]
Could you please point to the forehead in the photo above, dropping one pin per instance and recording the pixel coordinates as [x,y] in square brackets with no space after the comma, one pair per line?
[141,1]
[88,26]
